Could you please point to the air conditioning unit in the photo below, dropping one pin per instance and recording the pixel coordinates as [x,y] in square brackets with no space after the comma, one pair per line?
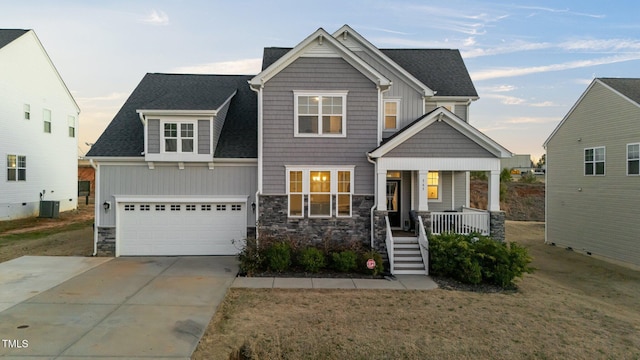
[49,209]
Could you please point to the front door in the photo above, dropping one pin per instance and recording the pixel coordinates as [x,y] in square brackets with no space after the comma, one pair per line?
[393,202]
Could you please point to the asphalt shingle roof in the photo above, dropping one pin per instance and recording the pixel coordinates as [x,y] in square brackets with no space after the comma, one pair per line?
[8,35]
[629,87]
[442,70]
[125,134]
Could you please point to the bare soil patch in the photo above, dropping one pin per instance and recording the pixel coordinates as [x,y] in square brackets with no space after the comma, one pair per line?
[69,235]
[521,201]
[573,307]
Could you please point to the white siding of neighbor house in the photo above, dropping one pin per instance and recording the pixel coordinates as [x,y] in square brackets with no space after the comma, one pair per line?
[239,180]
[597,214]
[28,77]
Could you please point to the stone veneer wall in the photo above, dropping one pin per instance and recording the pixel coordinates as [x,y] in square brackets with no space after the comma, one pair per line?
[106,241]
[496,225]
[274,221]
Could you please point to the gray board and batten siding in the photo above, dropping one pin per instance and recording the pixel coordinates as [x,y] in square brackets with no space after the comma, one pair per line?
[439,140]
[169,180]
[597,214]
[281,148]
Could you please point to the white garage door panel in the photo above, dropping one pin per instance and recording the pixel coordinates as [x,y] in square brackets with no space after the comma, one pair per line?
[199,231]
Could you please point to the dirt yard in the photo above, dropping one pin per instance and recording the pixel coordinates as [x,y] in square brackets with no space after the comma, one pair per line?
[573,307]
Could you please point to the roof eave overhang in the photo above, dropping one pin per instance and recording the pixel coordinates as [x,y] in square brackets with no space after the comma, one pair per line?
[158,112]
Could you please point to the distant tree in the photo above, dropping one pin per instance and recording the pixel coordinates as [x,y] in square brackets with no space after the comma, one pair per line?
[542,161]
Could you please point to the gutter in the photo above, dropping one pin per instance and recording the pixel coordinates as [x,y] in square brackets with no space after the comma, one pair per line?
[96,212]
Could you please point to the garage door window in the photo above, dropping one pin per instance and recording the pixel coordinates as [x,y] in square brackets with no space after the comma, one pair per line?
[190,207]
[175,207]
[159,207]
[129,207]
[205,207]
[236,207]
[221,207]
[145,207]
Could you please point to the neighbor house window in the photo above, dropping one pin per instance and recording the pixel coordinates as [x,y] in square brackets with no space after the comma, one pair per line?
[71,121]
[321,186]
[46,116]
[320,114]
[16,168]
[633,159]
[179,137]
[433,185]
[594,161]
[295,194]
[27,111]
[391,114]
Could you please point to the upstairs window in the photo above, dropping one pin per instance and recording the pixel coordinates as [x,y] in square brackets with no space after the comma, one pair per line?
[27,112]
[71,121]
[633,159]
[179,137]
[594,159]
[320,114]
[16,168]
[46,116]
[391,114]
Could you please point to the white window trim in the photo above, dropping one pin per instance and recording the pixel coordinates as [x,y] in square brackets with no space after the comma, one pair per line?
[17,168]
[384,116]
[584,162]
[350,193]
[306,171]
[302,193]
[45,121]
[179,137]
[439,199]
[331,93]
[627,157]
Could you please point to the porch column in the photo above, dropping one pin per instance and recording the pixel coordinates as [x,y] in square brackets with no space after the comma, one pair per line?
[423,202]
[381,191]
[494,191]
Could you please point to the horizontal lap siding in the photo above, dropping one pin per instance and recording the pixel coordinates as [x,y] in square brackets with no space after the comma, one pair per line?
[439,140]
[171,181]
[602,218]
[281,148]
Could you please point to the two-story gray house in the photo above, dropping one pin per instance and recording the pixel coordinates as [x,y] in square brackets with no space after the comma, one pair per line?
[333,138]
[593,169]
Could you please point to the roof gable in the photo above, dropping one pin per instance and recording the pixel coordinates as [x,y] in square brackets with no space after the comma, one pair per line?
[626,88]
[453,122]
[8,35]
[319,43]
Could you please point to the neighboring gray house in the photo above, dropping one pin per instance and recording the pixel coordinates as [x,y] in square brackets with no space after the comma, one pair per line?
[518,164]
[593,177]
[333,138]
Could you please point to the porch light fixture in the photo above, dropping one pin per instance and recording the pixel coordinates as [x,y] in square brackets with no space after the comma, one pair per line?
[106,205]
[253,207]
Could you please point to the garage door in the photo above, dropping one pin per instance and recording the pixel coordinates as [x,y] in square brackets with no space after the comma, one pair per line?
[180,228]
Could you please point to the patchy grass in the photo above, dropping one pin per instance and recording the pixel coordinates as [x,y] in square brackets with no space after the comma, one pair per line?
[573,307]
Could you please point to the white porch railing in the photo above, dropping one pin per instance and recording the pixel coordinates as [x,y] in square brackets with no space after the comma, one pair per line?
[423,242]
[389,242]
[466,222]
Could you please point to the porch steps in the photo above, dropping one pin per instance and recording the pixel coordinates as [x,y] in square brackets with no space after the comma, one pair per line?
[407,258]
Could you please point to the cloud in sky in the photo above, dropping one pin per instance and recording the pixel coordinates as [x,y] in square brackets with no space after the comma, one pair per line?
[531,120]
[565,11]
[244,66]
[156,18]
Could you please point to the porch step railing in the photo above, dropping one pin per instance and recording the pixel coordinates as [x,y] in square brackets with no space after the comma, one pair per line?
[389,242]
[466,222]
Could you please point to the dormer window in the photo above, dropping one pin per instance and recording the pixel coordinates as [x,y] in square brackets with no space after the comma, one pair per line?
[179,137]
[320,113]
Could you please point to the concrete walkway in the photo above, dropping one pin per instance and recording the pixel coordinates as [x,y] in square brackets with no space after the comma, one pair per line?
[401,282]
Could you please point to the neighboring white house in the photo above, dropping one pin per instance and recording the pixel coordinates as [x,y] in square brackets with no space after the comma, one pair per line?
[38,129]
[519,163]
[593,177]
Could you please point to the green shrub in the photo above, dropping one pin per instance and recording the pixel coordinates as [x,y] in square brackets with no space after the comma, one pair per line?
[475,259]
[311,259]
[344,261]
[371,254]
[278,256]
[505,175]
[479,175]
[528,178]
[250,258]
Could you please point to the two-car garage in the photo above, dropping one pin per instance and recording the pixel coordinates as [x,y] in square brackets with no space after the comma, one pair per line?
[167,226]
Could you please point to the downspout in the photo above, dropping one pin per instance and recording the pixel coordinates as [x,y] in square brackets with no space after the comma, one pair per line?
[96,210]
[258,90]
[375,188]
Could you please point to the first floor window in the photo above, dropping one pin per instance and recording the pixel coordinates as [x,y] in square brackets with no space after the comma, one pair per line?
[633,159]
[71,121]
[27,111]
[433,185]
[46,116]
[321,186]
[594,159]
[16,168]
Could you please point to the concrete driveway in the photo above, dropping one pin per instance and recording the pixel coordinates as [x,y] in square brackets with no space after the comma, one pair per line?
[142,307]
